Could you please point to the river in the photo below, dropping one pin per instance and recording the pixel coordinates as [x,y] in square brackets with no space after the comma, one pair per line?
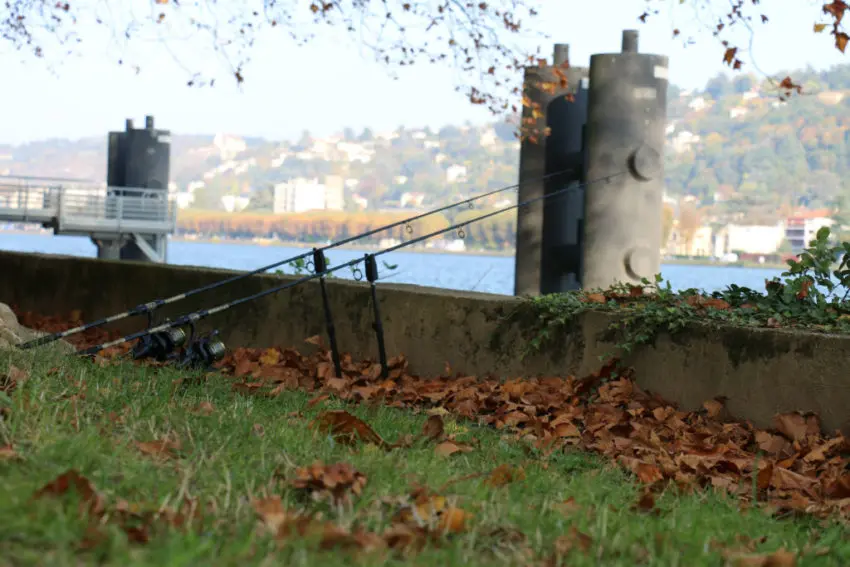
[492,274]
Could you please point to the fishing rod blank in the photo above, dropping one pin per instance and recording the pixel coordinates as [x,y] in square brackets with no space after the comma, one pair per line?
[149,307]
[195,316]
[192,318]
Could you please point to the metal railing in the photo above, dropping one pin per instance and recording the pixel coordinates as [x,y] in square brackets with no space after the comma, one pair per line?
[79,209]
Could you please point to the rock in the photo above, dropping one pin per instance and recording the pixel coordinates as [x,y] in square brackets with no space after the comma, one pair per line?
[13,334]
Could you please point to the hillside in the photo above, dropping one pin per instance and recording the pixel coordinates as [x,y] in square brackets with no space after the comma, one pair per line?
[732,144]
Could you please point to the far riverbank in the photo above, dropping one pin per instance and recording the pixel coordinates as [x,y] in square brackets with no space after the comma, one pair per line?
[415,250]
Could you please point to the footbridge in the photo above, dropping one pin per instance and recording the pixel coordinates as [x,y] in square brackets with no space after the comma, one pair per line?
[110,216]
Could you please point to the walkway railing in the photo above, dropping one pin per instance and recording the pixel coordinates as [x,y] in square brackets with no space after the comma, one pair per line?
[88,209]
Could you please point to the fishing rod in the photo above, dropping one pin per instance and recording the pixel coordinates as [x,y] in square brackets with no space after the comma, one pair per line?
[160,341]
[151,306]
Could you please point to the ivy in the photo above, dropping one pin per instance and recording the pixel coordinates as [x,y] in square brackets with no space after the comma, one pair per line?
[811,294]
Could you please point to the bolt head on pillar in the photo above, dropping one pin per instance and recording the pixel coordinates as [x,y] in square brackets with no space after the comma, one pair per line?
[638,262]
[645,163]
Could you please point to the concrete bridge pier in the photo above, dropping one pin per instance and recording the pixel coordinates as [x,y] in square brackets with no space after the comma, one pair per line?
[108,248]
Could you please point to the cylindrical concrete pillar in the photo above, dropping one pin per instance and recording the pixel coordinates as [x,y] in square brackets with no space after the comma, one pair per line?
[538,223]
[627,114]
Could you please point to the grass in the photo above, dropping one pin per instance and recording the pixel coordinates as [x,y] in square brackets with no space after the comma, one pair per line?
[236,449]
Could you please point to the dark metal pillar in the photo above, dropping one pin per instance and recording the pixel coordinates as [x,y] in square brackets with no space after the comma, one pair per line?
[139,158]
[627,114]
[546,155]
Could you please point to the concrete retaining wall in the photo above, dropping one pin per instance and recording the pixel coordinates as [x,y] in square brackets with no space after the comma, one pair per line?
[762,371]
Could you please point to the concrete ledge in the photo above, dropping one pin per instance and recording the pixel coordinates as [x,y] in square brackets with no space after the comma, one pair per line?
[761,371]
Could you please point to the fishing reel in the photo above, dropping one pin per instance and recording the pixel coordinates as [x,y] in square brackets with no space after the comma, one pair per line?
[203,352]
[160,346]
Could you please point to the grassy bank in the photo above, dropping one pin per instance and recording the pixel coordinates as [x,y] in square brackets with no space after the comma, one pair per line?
[180,469]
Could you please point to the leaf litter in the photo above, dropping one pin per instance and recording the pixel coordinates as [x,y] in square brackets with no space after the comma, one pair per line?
[794,468]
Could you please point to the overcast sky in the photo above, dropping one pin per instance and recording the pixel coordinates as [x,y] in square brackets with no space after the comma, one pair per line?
[334,83]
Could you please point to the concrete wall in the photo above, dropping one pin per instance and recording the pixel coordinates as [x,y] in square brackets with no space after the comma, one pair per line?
[761,371]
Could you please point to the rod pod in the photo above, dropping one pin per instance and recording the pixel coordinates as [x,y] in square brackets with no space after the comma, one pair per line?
[371,267]
[320,265]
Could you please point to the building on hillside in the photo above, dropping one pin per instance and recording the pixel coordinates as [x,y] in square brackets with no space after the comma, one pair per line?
[699,245]
[411,199]
[802,227]
[360,202]
[698,104]
[456,173]
[334,193]
[748,239]
[301,195]
[184,199]
[683,141]
[234,203]
[229,146]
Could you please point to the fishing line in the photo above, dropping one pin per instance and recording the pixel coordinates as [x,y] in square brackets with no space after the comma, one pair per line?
[149,307]
[371,270]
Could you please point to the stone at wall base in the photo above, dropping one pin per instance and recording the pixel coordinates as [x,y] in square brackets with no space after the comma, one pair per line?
[13,334]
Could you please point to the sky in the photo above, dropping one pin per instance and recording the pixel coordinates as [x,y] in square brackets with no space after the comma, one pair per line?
[333,82]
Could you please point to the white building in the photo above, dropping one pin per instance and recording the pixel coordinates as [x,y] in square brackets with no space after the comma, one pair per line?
[456,173]
[234,204]
[802,229]
[229,146]
[749,239]
[300,195]
[184,199]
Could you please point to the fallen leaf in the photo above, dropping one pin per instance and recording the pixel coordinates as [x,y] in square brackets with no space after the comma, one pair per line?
[433,428]
[779,558]
[90,500]
[453,520]
[573,540]
[713,408]
[204,408]
[161,448]
[793,425]
[271,512]
[505,474]
[346,428]
[449,448]
[335,480]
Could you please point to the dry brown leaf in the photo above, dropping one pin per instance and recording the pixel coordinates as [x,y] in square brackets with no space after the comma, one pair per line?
[336,480]
[347,429]
[713,408]
[453,520]
[204,408]
[161,448]
[573,540]
[795,426]
[505,474]
[449,448]
[779,558]
[90,500]
[433,428]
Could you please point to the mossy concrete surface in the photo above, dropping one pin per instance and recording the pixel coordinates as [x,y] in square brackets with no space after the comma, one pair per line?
[760,371]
